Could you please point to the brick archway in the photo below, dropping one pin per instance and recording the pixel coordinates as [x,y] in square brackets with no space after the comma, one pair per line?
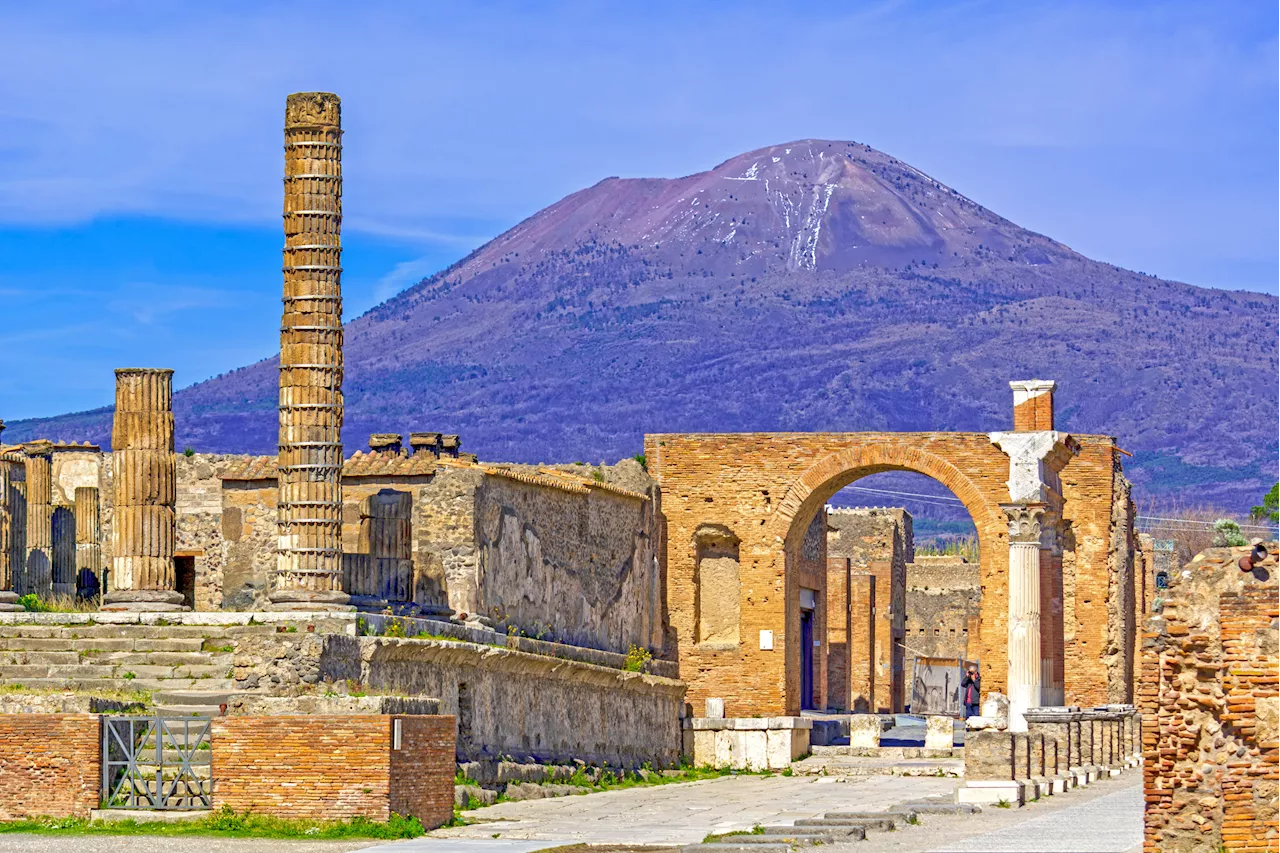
[764,488]
[811,490]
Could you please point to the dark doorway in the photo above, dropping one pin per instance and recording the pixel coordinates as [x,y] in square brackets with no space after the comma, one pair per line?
[806,659]
[184,570]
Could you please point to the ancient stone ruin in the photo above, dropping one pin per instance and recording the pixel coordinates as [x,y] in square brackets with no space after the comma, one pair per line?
[501,615]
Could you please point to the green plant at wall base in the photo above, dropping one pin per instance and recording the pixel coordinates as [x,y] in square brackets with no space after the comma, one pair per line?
[188,451]
[637,659]
[129,676]
[228,822]
[1002,804]
[643,460]
[395,628]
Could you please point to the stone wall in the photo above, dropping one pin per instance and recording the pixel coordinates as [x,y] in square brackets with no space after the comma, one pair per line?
[541,552]
[943,599]
[879,542]
[336,767]
[50,764]
[1210,703]
[507,702]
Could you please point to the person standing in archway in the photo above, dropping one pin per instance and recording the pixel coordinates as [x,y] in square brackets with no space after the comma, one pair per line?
[971,685]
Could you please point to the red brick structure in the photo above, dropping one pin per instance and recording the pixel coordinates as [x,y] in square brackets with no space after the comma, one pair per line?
[877,543]
[336,767]
[50,764]
[1210,698]
[764,489]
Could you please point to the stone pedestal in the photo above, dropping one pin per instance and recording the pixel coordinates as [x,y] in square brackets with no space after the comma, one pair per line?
[309,568]
[939,733]
[864,731]
[741,743]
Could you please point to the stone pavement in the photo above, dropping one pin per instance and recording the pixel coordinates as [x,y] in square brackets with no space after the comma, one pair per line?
[686,813]
[1108,824]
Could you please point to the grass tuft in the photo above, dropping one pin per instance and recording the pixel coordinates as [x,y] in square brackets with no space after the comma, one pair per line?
[229,823]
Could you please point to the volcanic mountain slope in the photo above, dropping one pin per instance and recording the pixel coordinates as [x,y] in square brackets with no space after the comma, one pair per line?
[815,285]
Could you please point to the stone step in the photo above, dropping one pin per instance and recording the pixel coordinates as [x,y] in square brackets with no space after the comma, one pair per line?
[189,710]
[726,847]
[155,658]
[905,815]
[88,684]
[841,832]
[194,698]
[37,658]
[936,808]
[882,824]
[796,839]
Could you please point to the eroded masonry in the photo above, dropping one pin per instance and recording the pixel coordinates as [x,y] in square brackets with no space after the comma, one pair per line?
[523,619]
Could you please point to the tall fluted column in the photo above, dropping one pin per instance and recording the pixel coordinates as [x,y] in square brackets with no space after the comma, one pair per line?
[64,550]
[309,561]
[144,525]
[38,577]
[8,598]
[1024,610]
[88,540]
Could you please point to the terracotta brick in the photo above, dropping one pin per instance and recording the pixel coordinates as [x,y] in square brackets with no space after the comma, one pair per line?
[50,764]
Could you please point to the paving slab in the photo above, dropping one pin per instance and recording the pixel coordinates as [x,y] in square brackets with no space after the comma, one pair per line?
[687,813]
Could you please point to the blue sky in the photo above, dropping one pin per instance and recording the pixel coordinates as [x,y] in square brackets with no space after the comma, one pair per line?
[140,143]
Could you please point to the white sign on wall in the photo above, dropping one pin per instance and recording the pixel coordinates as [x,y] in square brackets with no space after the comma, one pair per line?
[766,641]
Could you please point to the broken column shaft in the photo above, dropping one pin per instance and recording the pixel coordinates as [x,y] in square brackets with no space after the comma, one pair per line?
[88,539]
[8,598]
[309,559]
[143,525]
[37,576]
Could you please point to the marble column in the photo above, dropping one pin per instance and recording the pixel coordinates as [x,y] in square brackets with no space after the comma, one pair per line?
[8,598]
[39,558]
[1024,610]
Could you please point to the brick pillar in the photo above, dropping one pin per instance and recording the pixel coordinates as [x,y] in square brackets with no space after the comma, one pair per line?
[1032,405]
[8,461]
[309,570]
[144,477]
[88,540]
[862,643]
[1052,624]
[38,574]
[1024,610]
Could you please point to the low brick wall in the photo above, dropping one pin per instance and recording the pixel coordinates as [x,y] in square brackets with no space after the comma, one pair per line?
[336,767]
[49,765]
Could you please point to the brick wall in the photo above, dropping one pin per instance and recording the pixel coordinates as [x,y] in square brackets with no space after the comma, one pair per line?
[862,642]
[50,764]
[839,619]
[1210,701]
[335,767]
[942,602]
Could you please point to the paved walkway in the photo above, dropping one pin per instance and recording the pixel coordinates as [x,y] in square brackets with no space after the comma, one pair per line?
[1109,824]
[686,813]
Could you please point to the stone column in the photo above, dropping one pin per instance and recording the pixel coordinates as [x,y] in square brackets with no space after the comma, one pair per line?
[88,540]
[18,519]
[8,598]
[144,525]
[38,576]
[64,551]
[1024,610]
[309,559]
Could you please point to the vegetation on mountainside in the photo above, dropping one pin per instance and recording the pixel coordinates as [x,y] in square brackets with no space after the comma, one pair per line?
[1270,507]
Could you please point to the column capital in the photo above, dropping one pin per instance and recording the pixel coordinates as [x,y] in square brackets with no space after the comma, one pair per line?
[1025,521]
[39,447]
